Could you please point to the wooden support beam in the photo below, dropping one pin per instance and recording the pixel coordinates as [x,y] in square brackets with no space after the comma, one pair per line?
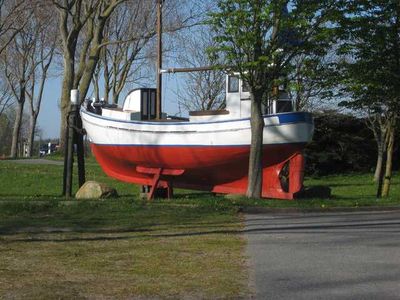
[173,172]
[154,184]
[156,180]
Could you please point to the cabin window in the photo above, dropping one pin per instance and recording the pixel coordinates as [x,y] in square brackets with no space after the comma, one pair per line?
[233,84]
[284,106]
[145,105]
[152,104]
[245,87]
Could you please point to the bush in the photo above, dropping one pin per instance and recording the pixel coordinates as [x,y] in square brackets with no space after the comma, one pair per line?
[341,143]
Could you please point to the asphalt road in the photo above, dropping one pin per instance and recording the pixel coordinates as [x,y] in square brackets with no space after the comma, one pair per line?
[353,255]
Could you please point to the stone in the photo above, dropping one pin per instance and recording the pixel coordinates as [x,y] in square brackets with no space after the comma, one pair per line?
[95,190]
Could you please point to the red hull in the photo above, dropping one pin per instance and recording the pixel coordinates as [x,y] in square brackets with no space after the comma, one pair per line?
[216,169]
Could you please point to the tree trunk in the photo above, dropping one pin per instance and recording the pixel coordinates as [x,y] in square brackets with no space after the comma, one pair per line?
[95,81]
[116,98]
[32,127]
[389,163]
[17,128]
[90,67]
[67,86]
[254,187]
[379,161]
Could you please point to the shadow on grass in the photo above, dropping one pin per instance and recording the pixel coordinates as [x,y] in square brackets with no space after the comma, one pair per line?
[5,231]
[39,197]
[110,217]
[36,229]
[343,223]
[310,228]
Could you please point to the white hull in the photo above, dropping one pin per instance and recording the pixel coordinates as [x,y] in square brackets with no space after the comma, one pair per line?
[279,129]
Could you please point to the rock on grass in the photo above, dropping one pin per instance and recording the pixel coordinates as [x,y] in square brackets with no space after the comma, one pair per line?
[95,190]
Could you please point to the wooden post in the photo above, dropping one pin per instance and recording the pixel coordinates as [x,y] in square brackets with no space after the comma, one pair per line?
[80,152]
[64,192]
[74,137]
[70,152]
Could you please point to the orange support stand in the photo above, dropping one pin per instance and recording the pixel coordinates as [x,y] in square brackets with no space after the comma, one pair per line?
[154,186]
[283,180]
[157,182]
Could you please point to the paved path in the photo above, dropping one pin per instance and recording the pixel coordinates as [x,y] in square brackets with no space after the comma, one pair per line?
[37,161]
[353,255]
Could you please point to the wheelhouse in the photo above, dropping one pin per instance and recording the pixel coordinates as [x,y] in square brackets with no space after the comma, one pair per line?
[238,99]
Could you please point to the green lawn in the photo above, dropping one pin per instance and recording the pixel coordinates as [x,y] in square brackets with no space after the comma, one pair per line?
[187,247]
[348,190]
[44,182]
[119,248]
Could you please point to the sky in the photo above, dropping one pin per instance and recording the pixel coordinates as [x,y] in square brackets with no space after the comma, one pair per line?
[49,116]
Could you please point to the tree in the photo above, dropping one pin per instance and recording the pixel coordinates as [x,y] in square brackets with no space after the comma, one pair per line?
[378,122]
[14,15]
[370,72]
[17,71]
[129,37]
[260,39]
[204,90]
[309,79]
[81,26]
[84,37]
[130,29]
[7,120]
[5,132]
[40,58]
[6,100]
[21,59]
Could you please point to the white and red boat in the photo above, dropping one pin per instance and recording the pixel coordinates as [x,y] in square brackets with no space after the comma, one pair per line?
[209,151]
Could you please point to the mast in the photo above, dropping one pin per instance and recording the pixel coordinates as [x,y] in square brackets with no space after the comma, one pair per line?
[159,59]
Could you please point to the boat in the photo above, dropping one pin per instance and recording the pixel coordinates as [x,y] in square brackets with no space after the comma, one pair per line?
[208,151]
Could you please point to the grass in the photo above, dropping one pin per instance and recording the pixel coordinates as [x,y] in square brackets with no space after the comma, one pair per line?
[44,182]
[119,248]
[122,248]
[348,190]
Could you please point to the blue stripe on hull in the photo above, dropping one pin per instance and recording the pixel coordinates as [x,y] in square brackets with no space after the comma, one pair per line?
[196,146]
[295,118]
[284,118]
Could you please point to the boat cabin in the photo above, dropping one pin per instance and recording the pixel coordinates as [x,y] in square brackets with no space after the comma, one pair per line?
[140,104]
[238,103]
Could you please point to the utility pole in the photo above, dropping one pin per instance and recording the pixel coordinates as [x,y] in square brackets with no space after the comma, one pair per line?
[159,59]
